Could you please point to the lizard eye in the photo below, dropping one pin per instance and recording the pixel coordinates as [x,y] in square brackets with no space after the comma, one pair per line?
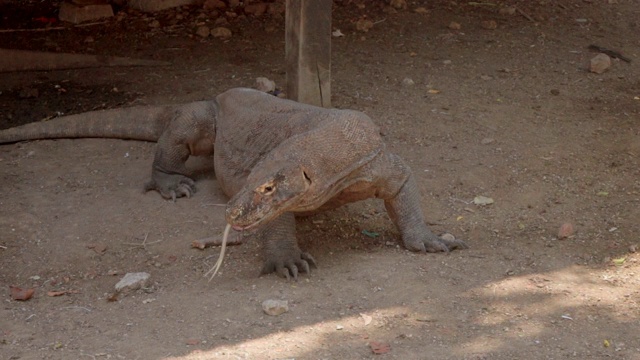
[267,189]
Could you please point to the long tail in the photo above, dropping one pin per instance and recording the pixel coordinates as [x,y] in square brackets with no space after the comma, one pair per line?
[144,123]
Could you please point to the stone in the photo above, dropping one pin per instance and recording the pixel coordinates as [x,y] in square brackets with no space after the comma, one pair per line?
[600,63]
[221,32]
[408,82]
[213,5]
[398,4]
[265,85]
[132,281]
[275,307]
[277,8]
[157,5]
[482,200]
[509,10]
[566,230]
[203,31]
[448,237]
[489,24]
[455,26]
[256,9]
[364,25]
[77,14]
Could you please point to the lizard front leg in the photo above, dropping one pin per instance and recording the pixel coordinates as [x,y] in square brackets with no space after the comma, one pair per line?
[280,247]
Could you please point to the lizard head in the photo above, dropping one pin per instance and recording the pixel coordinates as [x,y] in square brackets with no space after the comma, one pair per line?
[263,198]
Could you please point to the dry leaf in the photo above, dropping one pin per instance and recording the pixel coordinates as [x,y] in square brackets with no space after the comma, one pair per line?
[62,292]
[21,294]
[98,248]
[379,347]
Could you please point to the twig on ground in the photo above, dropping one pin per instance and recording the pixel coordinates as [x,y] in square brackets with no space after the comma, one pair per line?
[53,28]
[524,14]
[144,242]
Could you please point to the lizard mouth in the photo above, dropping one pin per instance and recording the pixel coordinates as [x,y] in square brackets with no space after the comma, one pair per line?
[248,227]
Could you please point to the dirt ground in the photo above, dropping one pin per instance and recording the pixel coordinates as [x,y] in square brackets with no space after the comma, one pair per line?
[510,113]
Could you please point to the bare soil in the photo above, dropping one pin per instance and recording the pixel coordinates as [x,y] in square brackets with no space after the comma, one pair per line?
[510,113]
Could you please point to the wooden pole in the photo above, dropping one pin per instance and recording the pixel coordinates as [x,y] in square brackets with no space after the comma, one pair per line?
[308,51]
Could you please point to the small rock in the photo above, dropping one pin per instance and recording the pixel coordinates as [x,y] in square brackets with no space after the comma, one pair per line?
[389,10]
[221,32]
[485,77]
[76,14]
[421,10]
[339,327]
[566,230]
[447,62]
[265,85]
[455,26]
[448,237]
[276,8]
[398,4]
[509,10]
[28,93]
[275,307]
[408,82]
[132,281]
[213,5]
[489,24]
[203,31]
[364,25]
[487,141]
[256,9]
[221,21]
[157,5]
[482,200]
[600,63]
[154,24]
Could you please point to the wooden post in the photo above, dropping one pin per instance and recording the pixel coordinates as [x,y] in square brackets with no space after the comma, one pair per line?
[308,51]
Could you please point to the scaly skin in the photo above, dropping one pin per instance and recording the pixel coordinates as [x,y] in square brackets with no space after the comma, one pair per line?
[180,130]
[339,158]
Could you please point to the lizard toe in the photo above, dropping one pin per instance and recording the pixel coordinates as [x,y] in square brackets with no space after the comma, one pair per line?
[292,269]
[436,246]
[309,260]
[455,244]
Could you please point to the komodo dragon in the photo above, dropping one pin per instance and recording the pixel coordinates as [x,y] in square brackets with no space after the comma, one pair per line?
[275,158]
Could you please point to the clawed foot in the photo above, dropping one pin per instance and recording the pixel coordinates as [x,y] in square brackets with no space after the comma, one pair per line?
[171,186]
[288,265]
[434,244]
[444,245]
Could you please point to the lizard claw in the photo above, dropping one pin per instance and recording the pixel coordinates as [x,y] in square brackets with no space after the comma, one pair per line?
[171,186]
[290,268]
[433,244]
